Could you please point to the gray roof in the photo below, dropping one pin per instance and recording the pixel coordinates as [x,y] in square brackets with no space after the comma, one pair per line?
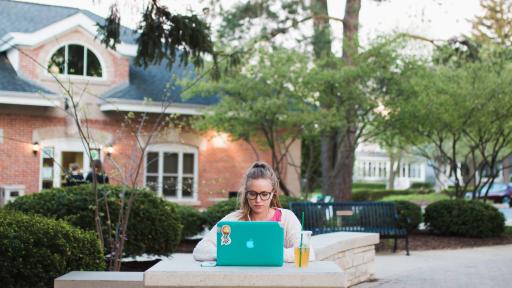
[37,16]
[9,80]
[159,83]
[144,83]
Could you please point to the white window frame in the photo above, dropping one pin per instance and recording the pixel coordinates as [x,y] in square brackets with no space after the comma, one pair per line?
[84,76]
[60,145]
[180,150]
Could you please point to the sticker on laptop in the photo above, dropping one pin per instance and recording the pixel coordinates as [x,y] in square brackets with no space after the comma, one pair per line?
[226,231]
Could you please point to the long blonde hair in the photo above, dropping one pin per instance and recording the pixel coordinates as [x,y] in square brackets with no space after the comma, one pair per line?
[258,170]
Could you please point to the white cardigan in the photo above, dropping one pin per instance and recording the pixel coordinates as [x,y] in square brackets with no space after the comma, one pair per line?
[206,249]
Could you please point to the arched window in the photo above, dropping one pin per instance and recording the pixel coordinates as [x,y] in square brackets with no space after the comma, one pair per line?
[73,59]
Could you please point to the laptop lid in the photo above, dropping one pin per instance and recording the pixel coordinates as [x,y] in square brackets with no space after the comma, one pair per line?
[243,243]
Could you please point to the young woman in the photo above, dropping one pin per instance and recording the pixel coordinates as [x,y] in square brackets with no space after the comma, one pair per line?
[259,201]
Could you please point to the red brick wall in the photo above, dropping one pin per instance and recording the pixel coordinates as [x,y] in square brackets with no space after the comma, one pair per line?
[18,165]
[220,169]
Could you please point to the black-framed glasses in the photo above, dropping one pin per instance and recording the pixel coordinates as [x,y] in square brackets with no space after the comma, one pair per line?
[264,196]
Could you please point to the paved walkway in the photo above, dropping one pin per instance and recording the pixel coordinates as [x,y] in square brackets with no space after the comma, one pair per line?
[474,267]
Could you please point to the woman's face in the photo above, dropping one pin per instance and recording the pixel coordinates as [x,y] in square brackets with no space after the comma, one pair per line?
[262,187]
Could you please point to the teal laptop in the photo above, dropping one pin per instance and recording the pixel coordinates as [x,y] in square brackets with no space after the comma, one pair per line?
[250,243]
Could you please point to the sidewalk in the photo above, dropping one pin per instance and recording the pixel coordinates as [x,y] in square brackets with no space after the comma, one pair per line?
[474,267]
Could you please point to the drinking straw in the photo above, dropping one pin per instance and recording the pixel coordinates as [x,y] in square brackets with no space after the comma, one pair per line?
[300,245]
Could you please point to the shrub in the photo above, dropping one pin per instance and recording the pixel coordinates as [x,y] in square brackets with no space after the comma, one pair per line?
[192,220]
[221,209]
[34,250]
[376,195]
[463,218]
[369,186]
[153,227]
[408,210]
[422,185]
[286,200]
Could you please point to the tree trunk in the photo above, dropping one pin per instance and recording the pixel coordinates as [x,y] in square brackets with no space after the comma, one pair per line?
[344,166]
[394,160]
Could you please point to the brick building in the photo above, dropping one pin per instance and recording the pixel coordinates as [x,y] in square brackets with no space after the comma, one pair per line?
[39,139]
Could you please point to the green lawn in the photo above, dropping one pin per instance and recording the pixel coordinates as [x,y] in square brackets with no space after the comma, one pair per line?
[417,198]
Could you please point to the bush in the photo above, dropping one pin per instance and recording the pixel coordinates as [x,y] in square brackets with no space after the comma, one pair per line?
[286,200]
[192,220]
[463,218]
[422,185]
[221,209]
[34,250]
[153,227]
[376,195]
[408,210]
[368,186]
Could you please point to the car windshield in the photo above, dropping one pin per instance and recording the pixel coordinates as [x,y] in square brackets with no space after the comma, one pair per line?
[495,189]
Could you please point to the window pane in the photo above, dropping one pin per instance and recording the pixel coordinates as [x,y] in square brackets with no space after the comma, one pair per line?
[171,163]
[152,162]
[188,163]
[75,60]
[169,188]
[56,64]
[152,183]
[186,189]
[93,65]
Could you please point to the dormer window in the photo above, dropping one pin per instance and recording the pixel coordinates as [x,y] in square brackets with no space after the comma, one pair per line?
[73,59]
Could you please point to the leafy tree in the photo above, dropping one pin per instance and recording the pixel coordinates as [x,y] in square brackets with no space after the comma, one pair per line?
[266,99]
[457,113]
[495,26]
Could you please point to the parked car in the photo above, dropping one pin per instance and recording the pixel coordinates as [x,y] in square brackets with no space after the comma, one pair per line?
[498,193]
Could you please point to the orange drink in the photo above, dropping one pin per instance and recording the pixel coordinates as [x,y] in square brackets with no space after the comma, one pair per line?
[301,259]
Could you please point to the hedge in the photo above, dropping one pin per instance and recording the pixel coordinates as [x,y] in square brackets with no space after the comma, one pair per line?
[34,250]
[408,210]
[464,218]
[223,208]
[154,227]
[376,195]
[192,220]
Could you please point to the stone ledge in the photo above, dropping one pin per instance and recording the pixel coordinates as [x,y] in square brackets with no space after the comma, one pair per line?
[184,271]
[85,279]
[329,244]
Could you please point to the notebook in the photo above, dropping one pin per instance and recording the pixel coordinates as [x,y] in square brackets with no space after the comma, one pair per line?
[250,243]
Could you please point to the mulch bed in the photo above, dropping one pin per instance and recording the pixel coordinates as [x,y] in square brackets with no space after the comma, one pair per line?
[423,241]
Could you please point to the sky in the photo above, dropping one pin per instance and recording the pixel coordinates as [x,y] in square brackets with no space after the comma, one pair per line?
[434,19]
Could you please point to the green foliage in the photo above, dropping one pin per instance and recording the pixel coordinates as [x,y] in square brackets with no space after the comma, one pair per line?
[192,220]
[368,186]
[219,210]
[457,112]
[421,185]
[286,200]
[464,218]
[409,215]
[154,227]
[34,250]
[418,198]
[376,195]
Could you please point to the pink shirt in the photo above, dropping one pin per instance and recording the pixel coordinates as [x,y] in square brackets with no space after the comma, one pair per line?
[277,216]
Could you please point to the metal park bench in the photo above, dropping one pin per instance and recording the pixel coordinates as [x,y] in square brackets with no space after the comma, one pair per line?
[368,217]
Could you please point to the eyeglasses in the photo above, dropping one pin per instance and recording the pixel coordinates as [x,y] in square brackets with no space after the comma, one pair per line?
[252,195]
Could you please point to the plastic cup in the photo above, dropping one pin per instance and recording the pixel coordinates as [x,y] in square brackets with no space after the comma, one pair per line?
[301,252]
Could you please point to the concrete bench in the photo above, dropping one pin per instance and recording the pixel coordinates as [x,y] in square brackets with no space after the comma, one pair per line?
[184,271]
[343,259]
[86,279]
